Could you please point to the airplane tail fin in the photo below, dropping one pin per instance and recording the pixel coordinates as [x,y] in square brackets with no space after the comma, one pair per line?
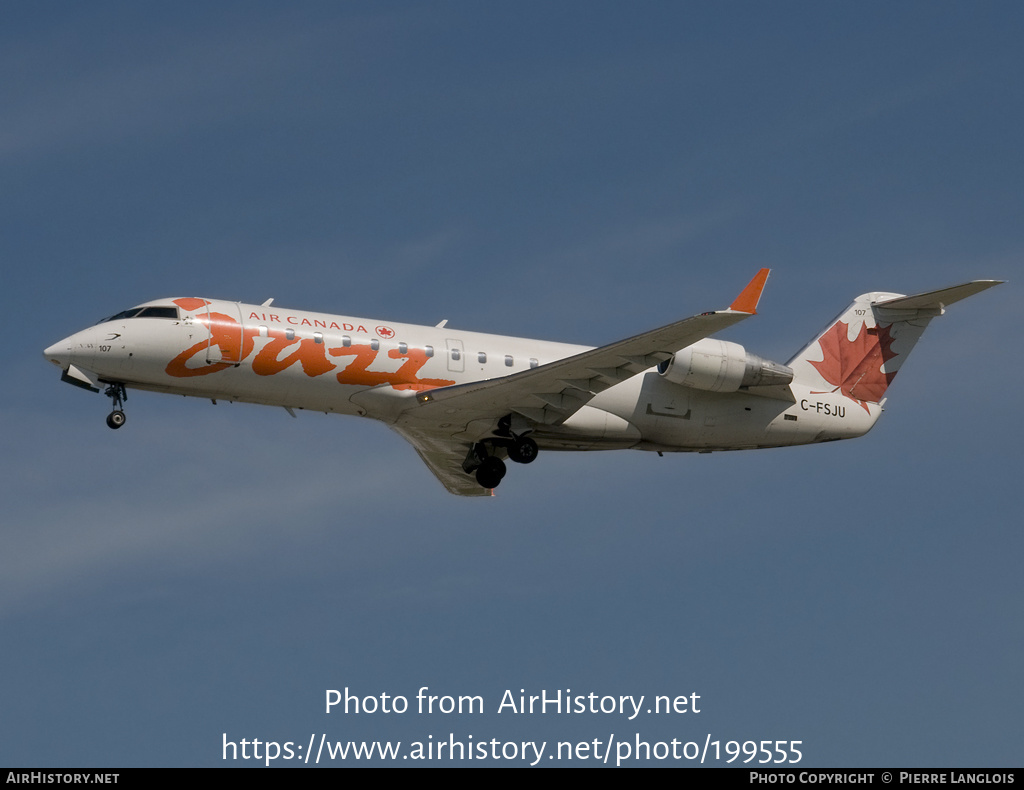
[860,352]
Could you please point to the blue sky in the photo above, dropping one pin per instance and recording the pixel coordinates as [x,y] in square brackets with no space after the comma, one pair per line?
[571,171]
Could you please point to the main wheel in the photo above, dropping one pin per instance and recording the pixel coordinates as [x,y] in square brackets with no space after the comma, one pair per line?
[524,451]
[490,472]
[116,419]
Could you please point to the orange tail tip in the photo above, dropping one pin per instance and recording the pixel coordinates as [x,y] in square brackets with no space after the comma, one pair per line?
[747,301]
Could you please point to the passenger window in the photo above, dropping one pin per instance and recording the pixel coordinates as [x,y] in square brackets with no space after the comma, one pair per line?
[430,351]
[456,355]
[533,363]
[509,362]
[481,357]
[403,348]
[263,331]
[375,345]
[289,334]
[346,341]
[318,337]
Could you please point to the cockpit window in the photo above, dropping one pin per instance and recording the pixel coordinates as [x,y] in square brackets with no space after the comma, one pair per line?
[122,315]
[144,312]
[159,312]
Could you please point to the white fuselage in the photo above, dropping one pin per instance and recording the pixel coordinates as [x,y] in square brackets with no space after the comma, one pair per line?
[345,365]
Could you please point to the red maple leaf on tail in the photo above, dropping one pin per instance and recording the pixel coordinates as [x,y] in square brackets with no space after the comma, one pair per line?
[854,367]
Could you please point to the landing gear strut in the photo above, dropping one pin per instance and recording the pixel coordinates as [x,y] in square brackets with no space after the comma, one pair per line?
[118,395]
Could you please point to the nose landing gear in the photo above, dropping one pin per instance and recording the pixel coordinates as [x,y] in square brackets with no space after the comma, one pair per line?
[117,394]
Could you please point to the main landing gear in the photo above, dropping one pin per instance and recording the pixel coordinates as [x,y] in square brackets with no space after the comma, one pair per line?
[490,468]
[490,472]
[117,394]
[523,450]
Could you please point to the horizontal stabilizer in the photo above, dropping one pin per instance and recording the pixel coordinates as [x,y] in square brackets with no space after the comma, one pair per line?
[937,300]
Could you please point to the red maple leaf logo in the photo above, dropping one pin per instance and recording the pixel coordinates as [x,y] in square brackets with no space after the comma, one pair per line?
[385,332]
[854,367]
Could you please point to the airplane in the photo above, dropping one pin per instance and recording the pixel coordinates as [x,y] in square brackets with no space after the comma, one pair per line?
[467,401]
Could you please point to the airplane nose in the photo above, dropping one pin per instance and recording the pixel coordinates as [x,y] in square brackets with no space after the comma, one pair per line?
[56,352]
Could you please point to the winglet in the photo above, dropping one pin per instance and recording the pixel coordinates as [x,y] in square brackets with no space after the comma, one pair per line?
[747,301]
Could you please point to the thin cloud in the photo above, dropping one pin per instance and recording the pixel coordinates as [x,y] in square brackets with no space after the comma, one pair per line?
[170,88]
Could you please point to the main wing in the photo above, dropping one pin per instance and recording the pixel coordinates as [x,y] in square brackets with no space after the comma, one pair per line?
[444,423]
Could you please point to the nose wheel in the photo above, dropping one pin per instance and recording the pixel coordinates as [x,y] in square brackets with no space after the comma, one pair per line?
[117,395]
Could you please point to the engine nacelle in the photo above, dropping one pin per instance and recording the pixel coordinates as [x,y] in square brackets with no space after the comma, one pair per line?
[721,366]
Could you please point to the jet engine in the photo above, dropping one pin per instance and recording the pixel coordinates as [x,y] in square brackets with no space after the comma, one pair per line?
[721,366]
